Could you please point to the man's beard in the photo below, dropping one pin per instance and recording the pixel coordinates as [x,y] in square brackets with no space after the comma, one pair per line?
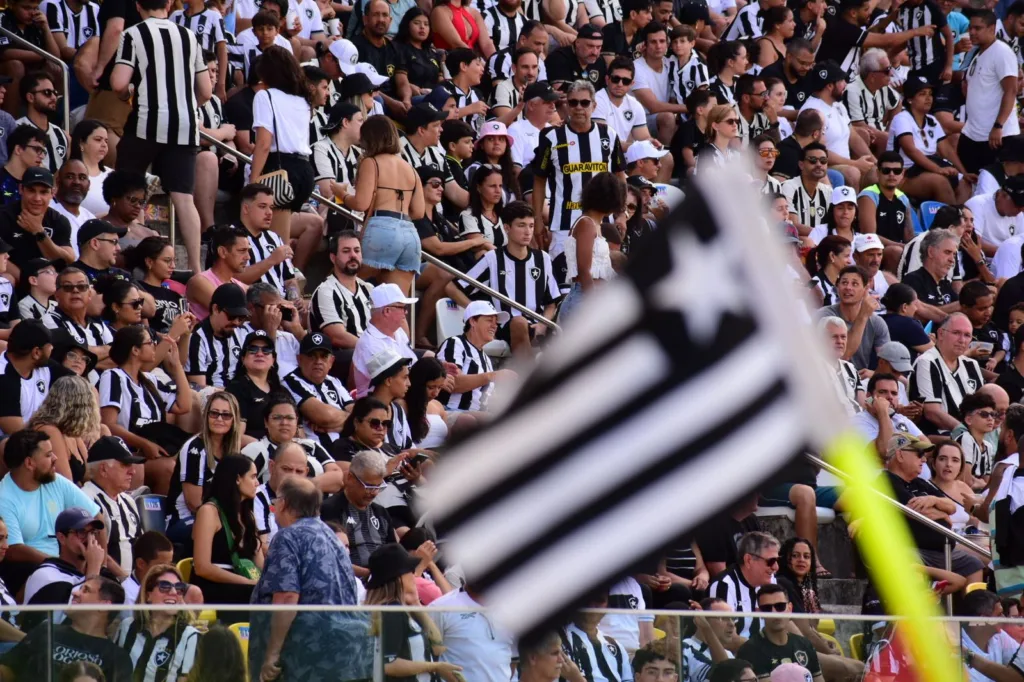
[48,477]
[351,268]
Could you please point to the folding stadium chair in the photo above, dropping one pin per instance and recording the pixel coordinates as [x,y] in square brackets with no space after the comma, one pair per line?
[185,568]
[834,641]
[857,646]
[928,211]
[151,508]
[449,319]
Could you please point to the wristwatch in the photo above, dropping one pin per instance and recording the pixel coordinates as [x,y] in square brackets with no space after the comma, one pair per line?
[969,658]
[998,125]
[41,236]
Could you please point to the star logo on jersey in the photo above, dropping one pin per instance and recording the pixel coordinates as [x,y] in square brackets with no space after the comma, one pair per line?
[900,426]
[628,115]
[820,211]
[605,145]
[592,75]
[823,74]
[236,351]
[332,395]
[801,96]
[162,658]
[375,522]
[309,14]
[41,387]
[534,272]
[801,658]
[972,385]
[48,231]
[613,650]
[87,32]
[5,298]
[634,603]
[900,215]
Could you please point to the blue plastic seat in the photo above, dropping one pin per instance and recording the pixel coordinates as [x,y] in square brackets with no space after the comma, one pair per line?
[928,211]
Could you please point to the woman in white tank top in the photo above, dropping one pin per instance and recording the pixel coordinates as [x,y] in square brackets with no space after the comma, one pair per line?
[588,258]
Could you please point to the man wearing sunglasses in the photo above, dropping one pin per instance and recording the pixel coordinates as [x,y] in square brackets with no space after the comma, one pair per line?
[775,642]
[40,99]
[757,561]
[73,296]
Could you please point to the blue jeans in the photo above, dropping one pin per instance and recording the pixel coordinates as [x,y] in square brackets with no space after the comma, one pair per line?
[391,244]
[572,300]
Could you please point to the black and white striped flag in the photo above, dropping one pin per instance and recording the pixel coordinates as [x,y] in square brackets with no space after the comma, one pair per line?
[674,391]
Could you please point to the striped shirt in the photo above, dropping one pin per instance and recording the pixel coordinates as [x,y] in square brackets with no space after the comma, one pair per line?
[330,392]
[125,523]
[333,303]
[933,382]
[164,658]
[471,360]
[262,451]
[93,333]
[193,468]
[79,26]
[922,50]
[211,114]
[211,356]
[261,246]
[747,23]
[57,144]
[610,10]
[464,99]
[499,66]
[684,79]
[980,456]
[504,29]
[21,396]
[330,163]
[317,120]
[31,309]
[748,130]
[809,210]
[529,282]
[208,26]
[507,95]
[826,288]
[399,433]
[431,156]
[494,232]
[741,596]
[697,660]
[725,94]
[137,404]
[166,58]
[846,382]
[263,510]
[870,107]
[601,659]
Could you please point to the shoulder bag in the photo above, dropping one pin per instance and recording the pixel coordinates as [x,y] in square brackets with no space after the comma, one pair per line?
[277,181]
[243,567]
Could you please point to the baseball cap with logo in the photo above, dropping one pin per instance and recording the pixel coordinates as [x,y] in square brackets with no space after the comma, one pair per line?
[825,73]
[914,85]
[640,182]
[347,55]
[76,518]
[385,365]
[112,447]
[638,151]
[868,241]
[314,342]
[384,295]
[904,441]
[589,32]
[791,672]
[897,355]
[844,194]
[1014,186]
[37,176]
[478,308]
[540,89]
[257,335]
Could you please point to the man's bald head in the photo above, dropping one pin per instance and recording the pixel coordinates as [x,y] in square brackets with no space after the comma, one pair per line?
[998,394]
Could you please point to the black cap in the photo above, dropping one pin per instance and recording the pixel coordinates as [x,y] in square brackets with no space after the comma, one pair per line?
[32,267]
[112,447]
[75,518]
[356,84]
[540,89]
[257,335]
[231,299]
[692,12]
[426,172]
[63,342]
[28,335]
[590,32]
[914,85]
[825,73]
[640,182]
[93,228]
[1012,185]
[339,113]
[37,176]
[314,342]
[421,115]
[389,563]
[1012,148]
[6,248]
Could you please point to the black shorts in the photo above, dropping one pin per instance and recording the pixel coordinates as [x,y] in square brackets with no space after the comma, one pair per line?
[974,155]
[300,174]
[504,332]
[916,169]
[174,164]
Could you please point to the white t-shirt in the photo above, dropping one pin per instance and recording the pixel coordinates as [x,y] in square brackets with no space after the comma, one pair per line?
[836,136]
[247,39]
[991,226]
[525,139]
[648,78]
[309,17]
[867,425]
[1006,262]
[925,139]
[76,221]
[984,92]
[473,640]
[623,118]
[1001,649]
[292,115]
[94,200]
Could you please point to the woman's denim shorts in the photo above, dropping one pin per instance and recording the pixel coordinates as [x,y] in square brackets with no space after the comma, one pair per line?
[391,244]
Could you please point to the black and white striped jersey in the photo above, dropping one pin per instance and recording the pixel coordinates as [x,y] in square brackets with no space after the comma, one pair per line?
[933,382]
[499,66]
[771,186]
[923,51]
[51,583]
[330,163]
[746,24]
[317,120]
[137,404]
[601,659]
[684,79]
[870,107]
[399,433]
[8,309]
[260,248]
[263,510]
[530,282]
[31,309]
[193,468]
[262,451]
[208,26]
[724,93]
[827,289]
[507,95]
[93,333]
[810,210]
[333,303]
[246,41]
[330,392]
[78,27]
[167,657]
[610,10]
[846,382]
[494,232]
[741,596]
[568,160]
[748,130]
[979,456]
[165,58]
[471,360]
[21,396]
[464,99]
[1013,42]
[125,523]
[211,356]
[57,144]
[504,29]
[431,156]
[211,114]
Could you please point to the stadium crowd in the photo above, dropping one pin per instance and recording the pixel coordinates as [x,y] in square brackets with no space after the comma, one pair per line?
[252,427]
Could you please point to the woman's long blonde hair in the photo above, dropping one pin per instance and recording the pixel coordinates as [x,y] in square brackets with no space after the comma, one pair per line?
[388,595]
[718,113]
[148,584]
[71,406]
[233,439]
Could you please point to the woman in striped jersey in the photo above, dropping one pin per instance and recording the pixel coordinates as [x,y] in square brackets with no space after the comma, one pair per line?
[831,255]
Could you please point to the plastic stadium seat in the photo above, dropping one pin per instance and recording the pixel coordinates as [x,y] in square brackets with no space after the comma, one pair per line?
[241,631]
[857,646]
[185,568]
[928,211]
[827,626]
[916,219]
[835,642]
[151,508]
[208,616]
[498,349]
[974,587]
[449,319]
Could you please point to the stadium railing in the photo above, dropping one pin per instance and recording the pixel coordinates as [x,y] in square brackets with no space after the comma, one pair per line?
[64,70]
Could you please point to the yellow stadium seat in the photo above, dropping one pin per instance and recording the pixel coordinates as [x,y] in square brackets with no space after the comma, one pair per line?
[185,568]
[827,626]
[976,586]
[659,634]
[208,616]
[241,631]
[834,641]
[857,646]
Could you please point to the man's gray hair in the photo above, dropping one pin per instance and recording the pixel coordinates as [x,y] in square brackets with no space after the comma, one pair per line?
[831,321]
[368,463]
[255,292]
[92,470]
[933,238]
[755,543]
[301,496]
[576,86]
[871,60]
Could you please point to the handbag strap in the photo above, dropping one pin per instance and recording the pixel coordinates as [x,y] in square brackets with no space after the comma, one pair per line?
[273,124]
[228,535]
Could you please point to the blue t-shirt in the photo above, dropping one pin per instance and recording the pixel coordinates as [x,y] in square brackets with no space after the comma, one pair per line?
[958,24]
[31,516]
[907,331]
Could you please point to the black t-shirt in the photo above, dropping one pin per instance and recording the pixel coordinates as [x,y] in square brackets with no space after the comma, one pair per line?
[1010,294]
[31,657]
[928,290]
[615,41]
[562,65]
[445,230]
[717,538]
[26,247]
[116,9]
[839,39]
[169,304]
[95,273]
[252,400]
[906,330]
[765,656]
[787,164]
[31,33]
[238,109]
[688,136]
[422,65]
[797,91]
[386,59]
[10,188]
[891,218]
[344,449]
[396,635]
[925,538]
[1013,383]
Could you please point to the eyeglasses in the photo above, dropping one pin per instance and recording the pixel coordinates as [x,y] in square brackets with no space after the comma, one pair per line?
[731,121]
[224,416]
[759,94]
[237,318]
[136,201]
[37,149]
[137,303]
[621,80]
[889,170]
[986,414]
[283,418]
[583,103]
[777,607]
[768,153]
[74,288]
[74,356]
[109,241]
[367,486]
[47,92]
[84,533]
[166,587]
[379,423]
[259,350]
[769,561]
[631,208]
[435,183]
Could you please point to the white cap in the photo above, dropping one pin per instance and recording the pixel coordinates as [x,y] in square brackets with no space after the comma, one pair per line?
[639,151]
[478,308]
[384,295]
[383,361]
[844,194]
[867,242]
[347,55]
[370,72]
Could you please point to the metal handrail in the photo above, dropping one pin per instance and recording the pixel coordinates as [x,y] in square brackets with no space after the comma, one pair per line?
[65,71]
[910,513]
[348,213]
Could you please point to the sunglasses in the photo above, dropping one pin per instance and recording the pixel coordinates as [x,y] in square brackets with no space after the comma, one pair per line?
[768,153]
[920,454]
[732,121]
[631,208]
[379,423]
[817,160]
[584,103]
[777,607]
[137,303]
[217,414]
[237,318]
[435,183]
[259,350]
[367,486]
[166,587]
[48,92]
[889,170]
[769,561]
[621,80]
[986,414]
[74,288]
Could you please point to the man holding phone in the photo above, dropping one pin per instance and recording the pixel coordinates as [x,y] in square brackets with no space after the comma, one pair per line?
[279,319]
[270,259]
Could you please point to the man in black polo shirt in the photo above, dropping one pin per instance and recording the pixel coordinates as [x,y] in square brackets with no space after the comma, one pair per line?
[938,254]
[579,61]
[773,644]
[377,50]
[31,227]
[792,70]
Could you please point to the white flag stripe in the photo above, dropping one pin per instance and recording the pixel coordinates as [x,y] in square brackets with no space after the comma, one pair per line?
[643,439]
[513,445]
[614,540]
